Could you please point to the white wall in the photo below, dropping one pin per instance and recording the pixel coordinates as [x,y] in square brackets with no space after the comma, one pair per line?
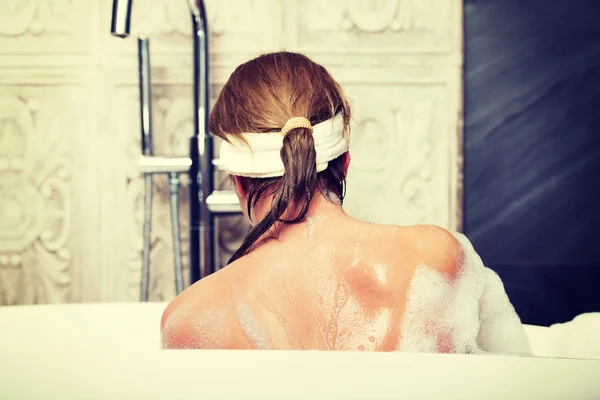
[70,191]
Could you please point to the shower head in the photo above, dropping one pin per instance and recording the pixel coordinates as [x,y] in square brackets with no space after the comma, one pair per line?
[121,18]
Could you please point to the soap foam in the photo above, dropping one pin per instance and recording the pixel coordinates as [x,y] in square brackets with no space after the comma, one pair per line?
[470,314]
[341,298]
[268,304]
[253,329]
[356,259]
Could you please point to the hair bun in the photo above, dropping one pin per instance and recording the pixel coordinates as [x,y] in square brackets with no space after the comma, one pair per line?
[295,123]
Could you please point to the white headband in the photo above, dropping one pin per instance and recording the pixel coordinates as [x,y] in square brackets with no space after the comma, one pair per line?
[261,157]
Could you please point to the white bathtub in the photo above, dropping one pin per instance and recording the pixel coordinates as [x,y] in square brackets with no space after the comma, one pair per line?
[112,351]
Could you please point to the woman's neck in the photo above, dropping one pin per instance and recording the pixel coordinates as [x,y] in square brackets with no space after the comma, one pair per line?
[320,206]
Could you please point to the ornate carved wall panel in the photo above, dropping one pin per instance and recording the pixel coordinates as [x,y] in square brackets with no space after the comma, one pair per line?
[399,157]
[71,196]
[406,26]
[37,186]
[46,26]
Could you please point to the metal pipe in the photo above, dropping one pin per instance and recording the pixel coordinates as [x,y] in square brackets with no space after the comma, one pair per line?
[202,257]
[194,196]
[121,18]
[203,205]
[194,175]
[174,197]
[145,94]
[146,144]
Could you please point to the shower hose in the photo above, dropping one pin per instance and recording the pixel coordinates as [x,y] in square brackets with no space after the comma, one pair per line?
[174,183]
[174,195]
[147,237]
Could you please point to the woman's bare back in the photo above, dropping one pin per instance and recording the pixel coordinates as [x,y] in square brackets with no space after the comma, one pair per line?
[329,283]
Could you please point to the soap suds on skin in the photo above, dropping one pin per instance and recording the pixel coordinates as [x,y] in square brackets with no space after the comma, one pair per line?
[255,332]
[381,274]
[208,329]
[356,255]
[283,321]
[468,314]
[450,316]
[341,298]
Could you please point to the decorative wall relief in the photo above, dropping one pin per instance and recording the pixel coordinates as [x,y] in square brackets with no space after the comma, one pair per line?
[413,26]
[395,149]
[236,27]
[34,207]
[246,25]
[44,25]
[71,208]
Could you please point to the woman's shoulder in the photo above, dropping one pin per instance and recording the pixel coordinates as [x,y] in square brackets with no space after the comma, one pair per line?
[432,246]
[199,317]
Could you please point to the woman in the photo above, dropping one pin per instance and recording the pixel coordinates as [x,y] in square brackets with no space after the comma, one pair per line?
[308,276]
